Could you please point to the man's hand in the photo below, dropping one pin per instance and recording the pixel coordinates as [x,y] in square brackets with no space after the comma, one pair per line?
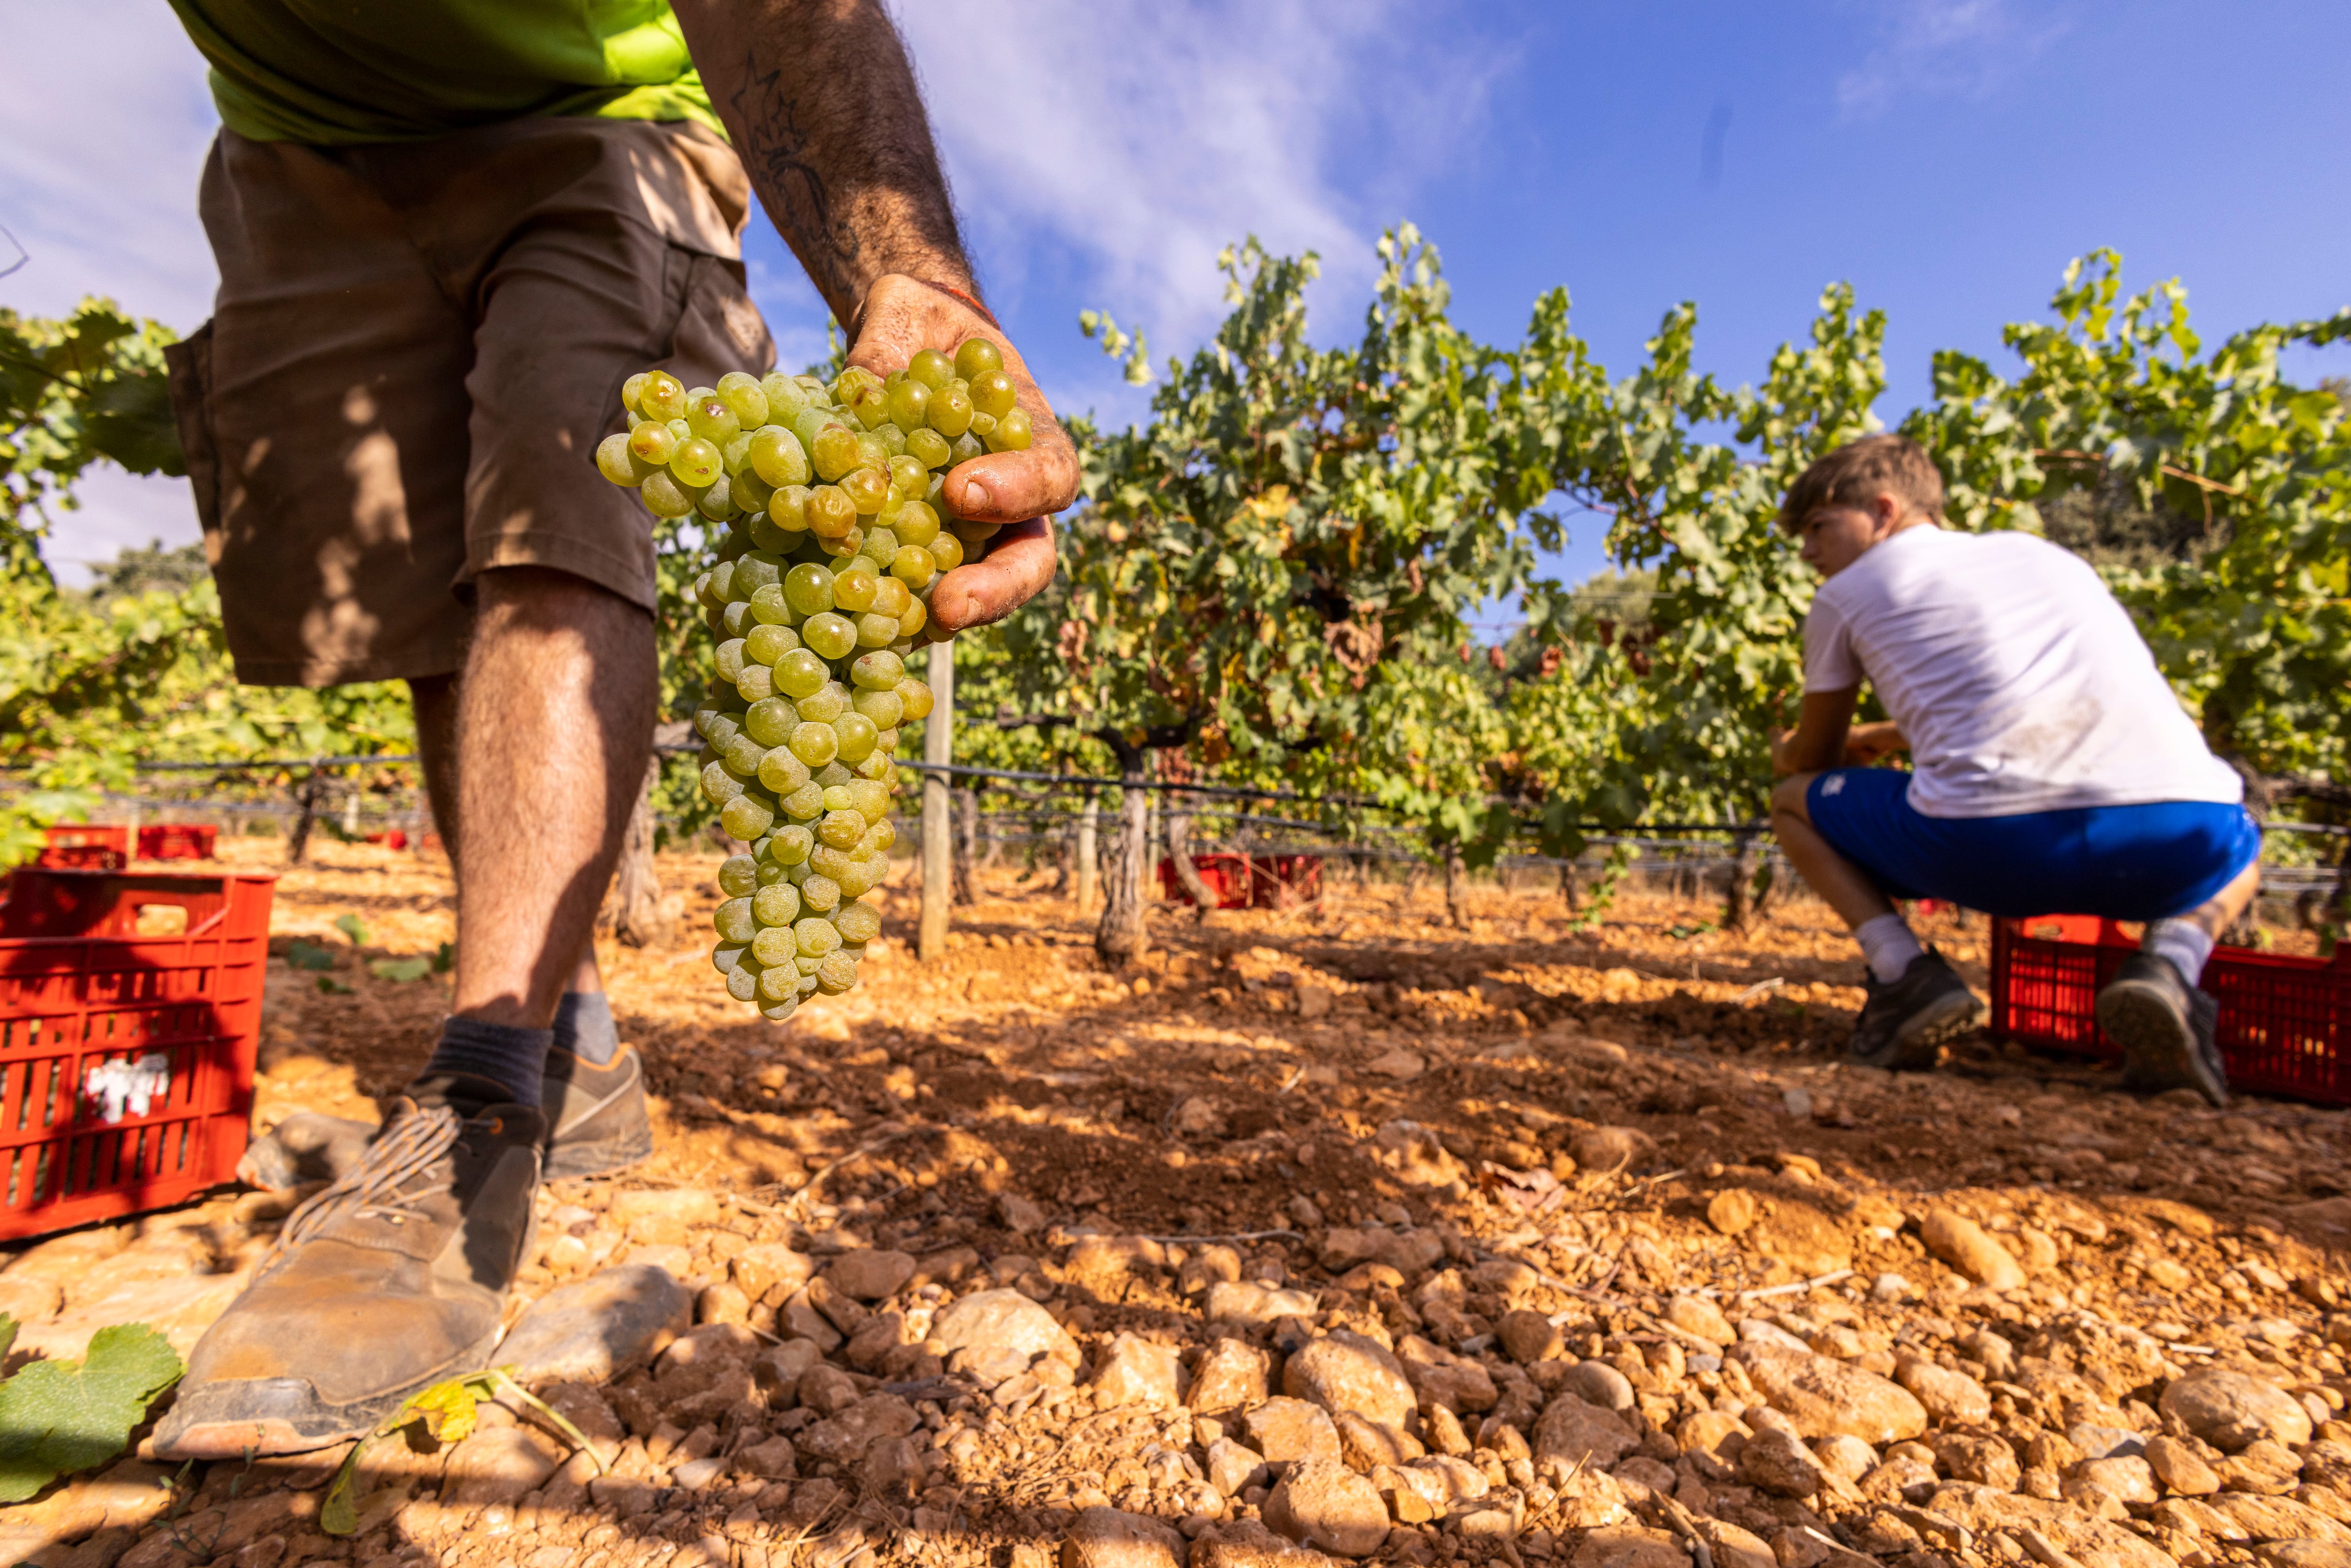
[1817,743]
[1866,744]
[903,316]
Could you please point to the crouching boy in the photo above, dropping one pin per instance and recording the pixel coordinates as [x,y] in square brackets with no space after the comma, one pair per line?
[2052,770]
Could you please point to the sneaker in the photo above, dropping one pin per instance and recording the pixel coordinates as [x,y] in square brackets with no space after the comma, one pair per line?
[596,1119]
[1904,1023]
[391,1280]
[596,1124]
[2164,1026]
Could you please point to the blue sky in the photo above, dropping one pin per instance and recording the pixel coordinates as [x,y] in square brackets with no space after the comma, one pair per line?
[1945,156]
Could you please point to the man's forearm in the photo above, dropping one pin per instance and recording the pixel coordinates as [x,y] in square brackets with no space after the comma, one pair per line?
[821,103]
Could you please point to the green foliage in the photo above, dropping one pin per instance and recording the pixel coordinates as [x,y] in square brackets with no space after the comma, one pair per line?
[150,569]
[447,1412]
[353,928]
[301,955]
[89,388]
[58,1417]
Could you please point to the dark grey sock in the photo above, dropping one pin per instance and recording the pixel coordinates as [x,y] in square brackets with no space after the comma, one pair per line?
[514,1057]
[584,1026]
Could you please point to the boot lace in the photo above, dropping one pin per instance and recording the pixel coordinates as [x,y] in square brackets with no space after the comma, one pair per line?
[406,1151]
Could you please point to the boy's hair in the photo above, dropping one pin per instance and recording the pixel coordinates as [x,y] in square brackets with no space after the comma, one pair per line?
[1855,472]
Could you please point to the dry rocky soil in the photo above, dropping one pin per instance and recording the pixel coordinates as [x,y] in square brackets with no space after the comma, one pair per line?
[1329,1234]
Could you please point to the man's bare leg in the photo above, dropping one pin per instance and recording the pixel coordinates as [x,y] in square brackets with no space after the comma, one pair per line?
[557,705]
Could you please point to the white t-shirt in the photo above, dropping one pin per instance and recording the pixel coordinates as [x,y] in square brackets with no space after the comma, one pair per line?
[2019,682]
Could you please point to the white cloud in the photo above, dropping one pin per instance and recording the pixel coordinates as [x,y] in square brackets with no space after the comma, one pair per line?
[1965,49]
[1128,141]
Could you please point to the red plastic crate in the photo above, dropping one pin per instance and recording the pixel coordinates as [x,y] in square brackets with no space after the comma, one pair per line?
[177,841]
[2284,1025]
[1239,881]
[86,846]
[130,1004]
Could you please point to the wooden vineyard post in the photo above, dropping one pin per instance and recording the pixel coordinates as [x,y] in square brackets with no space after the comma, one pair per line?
[1089,862]
[938,842]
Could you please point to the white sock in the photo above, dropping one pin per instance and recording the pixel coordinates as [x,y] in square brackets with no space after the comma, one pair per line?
[2182,941]
[1890,946]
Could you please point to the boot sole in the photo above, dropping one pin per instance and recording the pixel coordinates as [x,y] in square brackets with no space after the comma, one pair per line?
[2158,1045]
[571,1161]
[1923,1035]
[302,1424]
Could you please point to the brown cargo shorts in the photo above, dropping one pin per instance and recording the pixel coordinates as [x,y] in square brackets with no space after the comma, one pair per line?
[414,350]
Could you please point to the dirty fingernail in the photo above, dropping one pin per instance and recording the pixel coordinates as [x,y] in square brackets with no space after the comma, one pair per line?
[976,499]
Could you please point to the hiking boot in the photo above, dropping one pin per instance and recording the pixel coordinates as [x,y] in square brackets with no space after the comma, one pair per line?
[2164,1026]
[1904,1023]
[596,1119]
[596,1124]
[387,1282]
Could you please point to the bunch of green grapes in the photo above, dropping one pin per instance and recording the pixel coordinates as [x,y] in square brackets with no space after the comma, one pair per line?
[830,500]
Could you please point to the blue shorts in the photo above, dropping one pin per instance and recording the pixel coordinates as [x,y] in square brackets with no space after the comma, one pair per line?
[2125,863]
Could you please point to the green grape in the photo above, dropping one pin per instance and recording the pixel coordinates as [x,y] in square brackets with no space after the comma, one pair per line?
[835,453]
[789,846]
[631,388]
[776,946]
[931,368]
[743,981]
[916,524]
[800,672]
[753,494]
[653,443]
[726,956]
[885,743]
[868,800]
[746,817]
[712,421]
[815,936]
[966,446]
[867,489]
[882,709]
[875,630]
[836,798]
[779,990]
[619,464]
[914,566]
[837,973]
[754,569]
[841,830]
[860,877]
[785,396]
[946,552]
[789,510]
[778,1012]
[734,922]
[851,377]
[830,636]
[661,396]
[814,744]
[739,877]
[769,723]
[950,413]
[871,405]
[696,464]
[892,439]
[781,771]
[928,447]
[810,422]
[778,456]
[745,399]
[852,590]
[765,644]
[821,893]
[909,401]
[734,453]
[855,735]
[779,904]
[717,503]
[992,393]
[891,596]
[707,718]
[858,923]
[1012,433]
[881,835]
[877,672]
[832,774]
[679,430]
[768,608]
[742,755]
[981,423]
[977,357]
[769,871]
[722,581]
[824,705]
[704,596]
[809,588]
[756,682]
[804,804]
[832,515]
[873,453]
[915,698]
[736,619]
[730,659]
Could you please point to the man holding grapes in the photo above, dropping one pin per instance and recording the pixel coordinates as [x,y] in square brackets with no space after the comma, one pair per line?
[446,233]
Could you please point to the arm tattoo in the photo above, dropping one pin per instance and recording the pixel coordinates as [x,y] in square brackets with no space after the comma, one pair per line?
[800,201]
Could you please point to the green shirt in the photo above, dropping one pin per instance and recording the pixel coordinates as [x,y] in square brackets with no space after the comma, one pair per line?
[334,72]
